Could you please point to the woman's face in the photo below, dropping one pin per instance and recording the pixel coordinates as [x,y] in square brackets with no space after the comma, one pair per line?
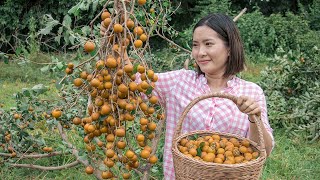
[209,51]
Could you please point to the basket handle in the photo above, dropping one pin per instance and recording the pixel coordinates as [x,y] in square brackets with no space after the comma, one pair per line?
[255,118]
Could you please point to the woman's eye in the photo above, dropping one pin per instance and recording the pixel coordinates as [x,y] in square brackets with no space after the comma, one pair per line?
[209,44]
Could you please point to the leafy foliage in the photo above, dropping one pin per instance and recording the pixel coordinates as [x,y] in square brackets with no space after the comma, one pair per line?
[20,20]
[293,90]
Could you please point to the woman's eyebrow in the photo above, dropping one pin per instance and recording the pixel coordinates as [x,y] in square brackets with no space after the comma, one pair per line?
[205,40]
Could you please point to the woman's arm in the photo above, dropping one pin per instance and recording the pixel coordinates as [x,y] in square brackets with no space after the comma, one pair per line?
[250,106]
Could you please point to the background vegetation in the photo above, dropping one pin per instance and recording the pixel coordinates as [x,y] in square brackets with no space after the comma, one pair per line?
[281,39]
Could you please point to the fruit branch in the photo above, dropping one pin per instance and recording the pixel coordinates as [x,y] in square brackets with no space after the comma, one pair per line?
[154,147]
[45,168]
[5,154]
[90,59]
[30,156]
[103,8]
[165,38]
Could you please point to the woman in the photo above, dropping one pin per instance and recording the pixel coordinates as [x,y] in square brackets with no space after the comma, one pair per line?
[219,54]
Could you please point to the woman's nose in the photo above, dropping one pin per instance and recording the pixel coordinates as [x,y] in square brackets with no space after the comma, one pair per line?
[202,51]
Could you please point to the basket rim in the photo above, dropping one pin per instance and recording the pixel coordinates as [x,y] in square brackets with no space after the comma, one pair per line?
[262,156]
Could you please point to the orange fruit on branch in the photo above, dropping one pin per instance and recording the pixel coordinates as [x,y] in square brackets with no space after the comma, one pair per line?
[145,154]
[144,121]
[128,68]
[117,28]
[143,37]
[56,113]
[138,43]
[140,137]
[129,154]
[130,24]
[89,170]
[142,2]
[138,30]
[126,175]
[76,121]
[69,71]
[152,126]
[141,69]
[105,15]
[89,46]
[107,22]
[121,144]
[111,62]
[120,132]
[70,65]
[77,82]
[153,99]
[110,153]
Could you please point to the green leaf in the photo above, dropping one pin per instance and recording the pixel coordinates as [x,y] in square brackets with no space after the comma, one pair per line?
[45,68]
[85,30]
[92,53]
[199,149]
[74,10]
[165,4]
[133,112]
[39,88]
[67,21]
[57,39]
[60,65]
[54,59]
[154,169]
[6,60]
[84,6]
[58,85]
[135,68]
[66,37]
[60,30]
[50,24]
[18,51]
[24,107]
[149,90]
[194,137]
[94,5]
[26,92]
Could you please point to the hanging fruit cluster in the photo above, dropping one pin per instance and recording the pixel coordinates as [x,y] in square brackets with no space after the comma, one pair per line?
[123,114]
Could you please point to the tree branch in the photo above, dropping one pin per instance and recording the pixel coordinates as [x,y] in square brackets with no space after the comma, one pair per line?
[165,38]
[32,155]
[45,168]
[240,14]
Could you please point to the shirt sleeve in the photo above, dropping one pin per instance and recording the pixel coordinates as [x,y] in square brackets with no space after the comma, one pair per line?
[166,82]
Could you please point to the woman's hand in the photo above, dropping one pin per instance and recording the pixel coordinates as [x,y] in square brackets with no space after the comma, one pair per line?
[248,105]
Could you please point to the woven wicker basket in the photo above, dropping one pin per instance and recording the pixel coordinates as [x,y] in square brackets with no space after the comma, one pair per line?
[189,168]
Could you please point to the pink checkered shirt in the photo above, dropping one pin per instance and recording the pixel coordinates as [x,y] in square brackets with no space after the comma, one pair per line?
[176,89]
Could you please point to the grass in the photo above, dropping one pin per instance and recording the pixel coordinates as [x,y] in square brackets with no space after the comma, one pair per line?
[292,157]
[7,89]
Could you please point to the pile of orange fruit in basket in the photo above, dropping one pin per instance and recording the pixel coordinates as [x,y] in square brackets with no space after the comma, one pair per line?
[218,149]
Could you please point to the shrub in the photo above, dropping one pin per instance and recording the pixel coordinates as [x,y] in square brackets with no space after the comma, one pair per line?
[292,88]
